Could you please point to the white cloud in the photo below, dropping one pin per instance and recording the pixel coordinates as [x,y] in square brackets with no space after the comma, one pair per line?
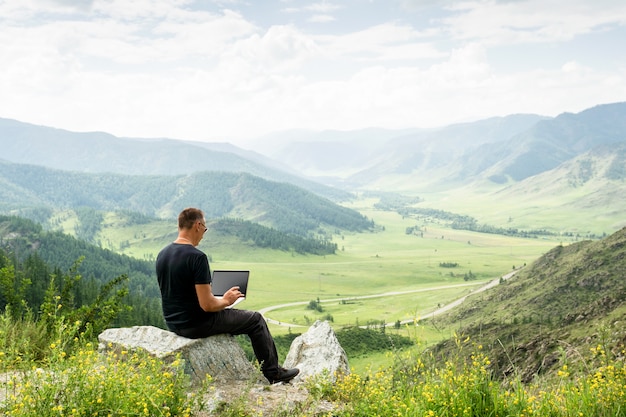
[280,49]
[165,68]
[323,7]
[504,22]
[321,18]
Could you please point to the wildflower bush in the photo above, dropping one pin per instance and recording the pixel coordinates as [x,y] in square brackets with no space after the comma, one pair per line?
[417,386]
[55,369]
[91,384]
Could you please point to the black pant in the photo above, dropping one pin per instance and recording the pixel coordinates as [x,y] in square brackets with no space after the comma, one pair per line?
[233,321]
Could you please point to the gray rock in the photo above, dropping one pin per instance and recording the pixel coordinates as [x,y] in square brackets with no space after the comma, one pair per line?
[219,356]
[317,352]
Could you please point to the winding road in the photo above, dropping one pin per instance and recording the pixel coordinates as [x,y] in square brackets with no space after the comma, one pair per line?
[436,312]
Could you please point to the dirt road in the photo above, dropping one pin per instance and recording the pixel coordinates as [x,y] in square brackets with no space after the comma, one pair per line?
[438,311]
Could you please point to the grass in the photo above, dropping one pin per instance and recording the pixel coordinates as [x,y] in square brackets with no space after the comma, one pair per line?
[82,382]
[353,311]
[49,369]
[527,209]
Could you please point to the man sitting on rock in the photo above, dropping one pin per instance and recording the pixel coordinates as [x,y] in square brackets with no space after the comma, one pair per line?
[190,308]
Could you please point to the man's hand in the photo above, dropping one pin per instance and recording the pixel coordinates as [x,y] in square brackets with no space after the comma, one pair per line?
[210,303]
[233,295]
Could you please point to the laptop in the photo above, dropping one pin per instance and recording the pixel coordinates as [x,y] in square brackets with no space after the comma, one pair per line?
[224,280]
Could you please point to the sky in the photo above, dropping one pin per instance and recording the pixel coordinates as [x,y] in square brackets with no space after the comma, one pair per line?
[236,70]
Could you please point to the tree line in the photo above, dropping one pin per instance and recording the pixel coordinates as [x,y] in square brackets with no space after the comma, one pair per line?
[266,237]
[465,222]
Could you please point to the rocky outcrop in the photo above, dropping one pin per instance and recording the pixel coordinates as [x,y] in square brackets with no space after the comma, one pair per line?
[317,352]
[219,356]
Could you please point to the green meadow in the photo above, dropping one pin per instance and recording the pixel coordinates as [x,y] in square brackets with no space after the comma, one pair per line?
[400,273]
[384,276]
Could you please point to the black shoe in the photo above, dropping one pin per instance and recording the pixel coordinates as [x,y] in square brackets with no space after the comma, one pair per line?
[283,375]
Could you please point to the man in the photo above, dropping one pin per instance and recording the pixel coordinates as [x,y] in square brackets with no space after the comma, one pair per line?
[190,308]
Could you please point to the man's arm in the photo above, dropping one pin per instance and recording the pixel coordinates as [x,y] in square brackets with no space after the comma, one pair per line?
[210,303]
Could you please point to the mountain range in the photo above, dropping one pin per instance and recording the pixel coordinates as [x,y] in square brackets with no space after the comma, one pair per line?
[517,160]
[513,148]
[499,151]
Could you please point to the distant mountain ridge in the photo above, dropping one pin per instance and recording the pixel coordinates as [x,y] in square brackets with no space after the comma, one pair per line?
[102,152]
[499,149]
[550,143]
[99,152]
[381,153]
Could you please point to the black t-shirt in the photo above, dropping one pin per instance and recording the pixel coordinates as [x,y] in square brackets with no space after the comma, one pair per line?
[179,268]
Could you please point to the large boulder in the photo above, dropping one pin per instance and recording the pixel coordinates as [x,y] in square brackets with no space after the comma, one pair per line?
[317,352]
[219,356]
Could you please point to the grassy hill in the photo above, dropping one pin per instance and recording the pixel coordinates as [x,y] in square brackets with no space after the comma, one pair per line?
[557,310]
[580,196]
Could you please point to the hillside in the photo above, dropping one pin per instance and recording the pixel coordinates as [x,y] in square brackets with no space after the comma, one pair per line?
[568,302]
[592,184]
[581,195]
[285,207]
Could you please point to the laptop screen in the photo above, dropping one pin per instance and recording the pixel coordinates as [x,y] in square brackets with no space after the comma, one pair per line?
[225,280]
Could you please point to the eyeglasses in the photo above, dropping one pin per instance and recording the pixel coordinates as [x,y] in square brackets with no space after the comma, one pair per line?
[203,225]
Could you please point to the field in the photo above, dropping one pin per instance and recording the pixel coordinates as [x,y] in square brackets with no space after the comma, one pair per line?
[400,272]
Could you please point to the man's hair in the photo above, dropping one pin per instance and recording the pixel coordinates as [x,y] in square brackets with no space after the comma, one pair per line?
[188,217]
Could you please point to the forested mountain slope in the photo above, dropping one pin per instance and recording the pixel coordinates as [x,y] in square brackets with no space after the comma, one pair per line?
[220,194]
[560,308]
[40,254]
